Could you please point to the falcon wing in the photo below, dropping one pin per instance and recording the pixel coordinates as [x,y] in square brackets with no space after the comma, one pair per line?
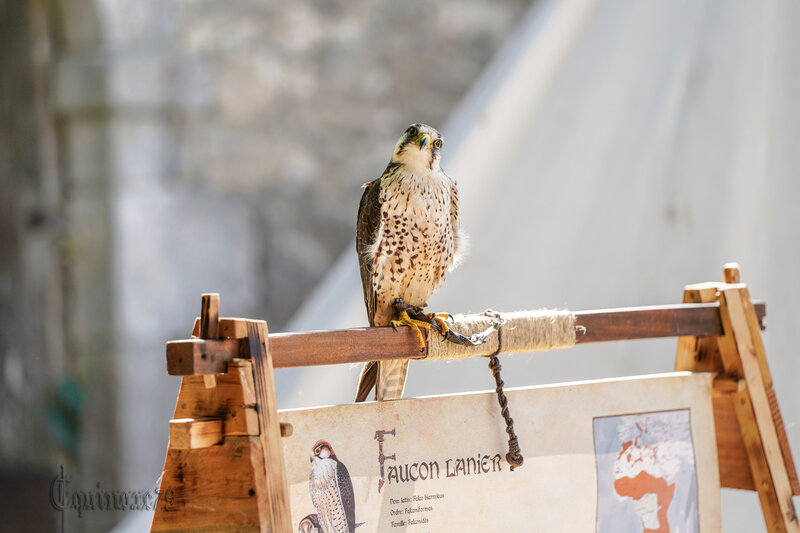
[459,238]
[346,495]
[367,228]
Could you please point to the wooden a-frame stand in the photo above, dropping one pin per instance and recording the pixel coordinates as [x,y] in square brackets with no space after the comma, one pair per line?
[224,469]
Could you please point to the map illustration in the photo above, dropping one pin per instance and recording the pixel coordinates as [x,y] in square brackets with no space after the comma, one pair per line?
[646,480]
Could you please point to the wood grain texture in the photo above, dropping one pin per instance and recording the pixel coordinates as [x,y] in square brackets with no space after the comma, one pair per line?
[274,466]
[649,322]
[196,356]
[195,432]
[199,356]
[209,316]
[731,273]
[698,353]
[209,320]
[213,489]
[734,465]
[759,465]
[783,439]
[759,431]
[218,488]
[232,400]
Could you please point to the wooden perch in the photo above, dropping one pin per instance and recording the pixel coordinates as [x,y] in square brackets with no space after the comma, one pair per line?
[199,356]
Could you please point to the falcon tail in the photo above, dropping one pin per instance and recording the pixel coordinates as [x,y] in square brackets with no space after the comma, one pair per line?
[369,375]
[388,378]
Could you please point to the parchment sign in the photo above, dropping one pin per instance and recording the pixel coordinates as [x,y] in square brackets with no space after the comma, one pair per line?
[630,455]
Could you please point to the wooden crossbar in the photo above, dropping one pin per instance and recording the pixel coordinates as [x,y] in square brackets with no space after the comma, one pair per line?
[200,356]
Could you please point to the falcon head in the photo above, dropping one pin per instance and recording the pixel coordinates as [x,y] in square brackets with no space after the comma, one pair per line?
[322,450]
[419,148]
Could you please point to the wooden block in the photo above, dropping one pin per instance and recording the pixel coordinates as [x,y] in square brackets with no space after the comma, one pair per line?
[228,328]
[233,399]
[197,401]
[286,429]
[731,273]
[274,466]
[209,316]
[198,356]
[241,421]
[214,489]
[233,328]
[699,353]
[734,465]
[703,292]
[239,399]
[237,385]
[194,433]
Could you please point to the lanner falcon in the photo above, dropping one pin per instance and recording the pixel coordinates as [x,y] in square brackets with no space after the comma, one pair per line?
[407,238]
[331,491]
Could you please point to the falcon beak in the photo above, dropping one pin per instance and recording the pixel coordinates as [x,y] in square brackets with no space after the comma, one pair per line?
[310,458]
[423,140]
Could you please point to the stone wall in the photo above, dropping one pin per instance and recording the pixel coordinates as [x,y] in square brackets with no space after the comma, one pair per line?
[291,107]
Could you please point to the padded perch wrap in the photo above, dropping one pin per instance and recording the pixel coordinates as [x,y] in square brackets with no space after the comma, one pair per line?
[523,331]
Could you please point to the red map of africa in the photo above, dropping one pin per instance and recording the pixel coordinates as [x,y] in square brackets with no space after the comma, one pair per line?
[644,483]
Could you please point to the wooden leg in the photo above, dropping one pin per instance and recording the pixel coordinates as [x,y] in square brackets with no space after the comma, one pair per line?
[753,409]
[277,484]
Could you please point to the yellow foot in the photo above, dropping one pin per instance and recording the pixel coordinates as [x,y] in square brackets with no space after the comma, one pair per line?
[441,320]
[404,320]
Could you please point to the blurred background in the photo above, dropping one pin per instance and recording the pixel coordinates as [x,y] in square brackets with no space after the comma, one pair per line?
[607,154]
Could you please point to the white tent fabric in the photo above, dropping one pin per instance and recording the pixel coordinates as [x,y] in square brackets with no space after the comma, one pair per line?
[613,152]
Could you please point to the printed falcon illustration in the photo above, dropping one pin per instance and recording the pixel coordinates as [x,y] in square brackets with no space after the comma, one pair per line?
[408,237]
[309,524]
[331,491]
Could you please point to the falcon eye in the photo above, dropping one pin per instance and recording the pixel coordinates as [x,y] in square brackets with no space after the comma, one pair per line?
[412,131]
[437,143]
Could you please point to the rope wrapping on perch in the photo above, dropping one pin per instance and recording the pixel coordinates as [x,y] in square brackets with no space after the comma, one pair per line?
[520,331]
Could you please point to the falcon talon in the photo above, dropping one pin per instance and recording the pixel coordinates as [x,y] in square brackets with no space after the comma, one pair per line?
[405,320]
[439,322]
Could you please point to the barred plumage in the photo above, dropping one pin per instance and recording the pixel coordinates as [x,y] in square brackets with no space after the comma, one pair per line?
[408,237]
[331,491]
